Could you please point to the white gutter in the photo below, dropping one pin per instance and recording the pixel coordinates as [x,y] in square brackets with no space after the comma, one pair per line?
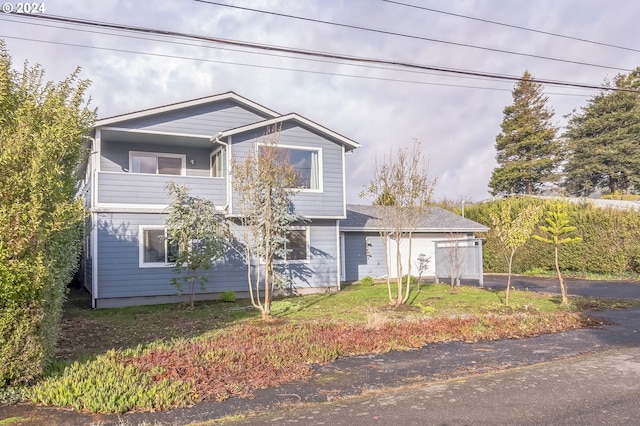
[93,234]
[216,139]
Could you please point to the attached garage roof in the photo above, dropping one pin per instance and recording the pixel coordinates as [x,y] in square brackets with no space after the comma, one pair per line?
[434,219]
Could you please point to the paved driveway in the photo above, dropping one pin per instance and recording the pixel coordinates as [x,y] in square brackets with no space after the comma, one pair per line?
[615,289]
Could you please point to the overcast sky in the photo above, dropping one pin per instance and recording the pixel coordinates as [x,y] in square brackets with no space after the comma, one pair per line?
[455,118]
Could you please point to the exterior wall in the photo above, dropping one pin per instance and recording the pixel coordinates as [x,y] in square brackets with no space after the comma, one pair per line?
[151,189]
[115,156]
[364,256]
[365,253]
[206,119]
[122,282]
[328,203]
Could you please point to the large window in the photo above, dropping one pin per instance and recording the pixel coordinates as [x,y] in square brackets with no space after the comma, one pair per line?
[297,245]
[306,163]
[156,163]
[155,250]
[217,163]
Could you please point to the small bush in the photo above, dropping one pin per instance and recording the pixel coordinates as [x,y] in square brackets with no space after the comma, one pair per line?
[12,395]
[109,385]
[228,296]
[367,281]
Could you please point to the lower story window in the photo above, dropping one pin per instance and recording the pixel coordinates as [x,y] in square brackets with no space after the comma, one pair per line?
[155,249]
[297,245]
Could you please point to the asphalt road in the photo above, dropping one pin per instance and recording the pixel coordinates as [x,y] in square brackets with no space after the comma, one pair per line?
[599,389]
[617,289]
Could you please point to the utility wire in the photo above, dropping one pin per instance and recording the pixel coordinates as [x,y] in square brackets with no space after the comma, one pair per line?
[518,27]
[307,53]
[161,55]
[357,27]
[270,55]
[182,43]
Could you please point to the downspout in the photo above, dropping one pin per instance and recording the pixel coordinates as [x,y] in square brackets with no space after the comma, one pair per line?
[91,163]
[216,139]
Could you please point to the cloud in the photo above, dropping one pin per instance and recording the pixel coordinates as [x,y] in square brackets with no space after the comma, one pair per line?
[457,125]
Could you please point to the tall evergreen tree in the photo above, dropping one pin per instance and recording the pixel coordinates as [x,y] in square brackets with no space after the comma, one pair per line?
[603,141]
[528,152]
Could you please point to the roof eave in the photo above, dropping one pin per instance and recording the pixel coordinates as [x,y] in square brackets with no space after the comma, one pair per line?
[186,104]
[350,144]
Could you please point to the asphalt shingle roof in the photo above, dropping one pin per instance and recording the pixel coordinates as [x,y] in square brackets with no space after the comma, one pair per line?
[434,219]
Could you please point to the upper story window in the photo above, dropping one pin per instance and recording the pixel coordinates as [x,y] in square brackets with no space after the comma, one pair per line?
[217,163]
[306,163]
[157,163]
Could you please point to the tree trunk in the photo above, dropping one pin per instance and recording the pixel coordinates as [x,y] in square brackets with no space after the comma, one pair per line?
[563,287]
[506,293]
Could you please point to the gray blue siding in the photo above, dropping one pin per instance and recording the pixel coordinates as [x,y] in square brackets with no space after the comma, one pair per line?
[364,255]
[120,276]
[329,202]
[134,188]
[207,119]
[115,156]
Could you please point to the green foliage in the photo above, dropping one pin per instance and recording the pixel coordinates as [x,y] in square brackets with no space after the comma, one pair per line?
[199,232]
[12,395]
[228,296]
[368,281]
[109,385]
[557,228]
[528,153]
[42,125]
[602,141]
[513,231]
[610,241]
[617,195]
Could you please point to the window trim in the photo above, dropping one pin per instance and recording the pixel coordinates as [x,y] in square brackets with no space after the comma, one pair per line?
[307,259]
[303,148]
[141,262]
[182,157]
[222,152]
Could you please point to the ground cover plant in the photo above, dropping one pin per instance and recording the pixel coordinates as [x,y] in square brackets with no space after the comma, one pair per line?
[223,349]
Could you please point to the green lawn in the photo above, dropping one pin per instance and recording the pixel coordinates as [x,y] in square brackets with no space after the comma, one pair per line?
[157,357]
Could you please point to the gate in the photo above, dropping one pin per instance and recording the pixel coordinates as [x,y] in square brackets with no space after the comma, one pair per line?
[460,259]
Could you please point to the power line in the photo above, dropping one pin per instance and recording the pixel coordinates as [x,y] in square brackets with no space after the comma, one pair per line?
[115,34]
[161,55]
[533,30]
[357,27]
[272,48]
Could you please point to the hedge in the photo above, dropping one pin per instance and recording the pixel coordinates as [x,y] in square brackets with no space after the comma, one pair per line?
[610,245]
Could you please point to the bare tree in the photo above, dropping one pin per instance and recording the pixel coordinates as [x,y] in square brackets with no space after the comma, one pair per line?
[457,261]
[264,182]
[402,190]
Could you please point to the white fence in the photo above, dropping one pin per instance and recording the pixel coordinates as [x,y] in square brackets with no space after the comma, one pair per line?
[459,259]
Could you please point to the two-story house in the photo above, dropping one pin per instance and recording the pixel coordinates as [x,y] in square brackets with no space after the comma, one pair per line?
[133,156]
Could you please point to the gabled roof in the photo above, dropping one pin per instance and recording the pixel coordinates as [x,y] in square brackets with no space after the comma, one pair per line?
[348,143]
[186,104]
[434,219]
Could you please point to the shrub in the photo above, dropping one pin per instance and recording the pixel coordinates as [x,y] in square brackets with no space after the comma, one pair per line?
[41,128]
[367,281]
[110,385]
[610,245]
[228,296]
